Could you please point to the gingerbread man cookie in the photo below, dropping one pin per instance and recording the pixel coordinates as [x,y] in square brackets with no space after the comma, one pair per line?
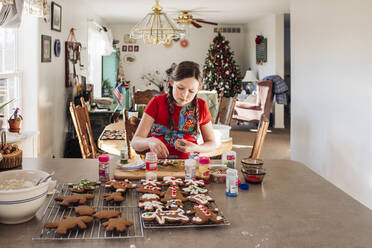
[107,214]
[203,215]
[150,182]
[149,197]
[172,181]
[150,189]
[163,217]
[74,198]
[174,204]
[200,199]
[118,224]
[150,205]
[116,197]
[84,186]
[173,193]
[84,210]
[121,186]
[69,223]
[194,190]
[194,182]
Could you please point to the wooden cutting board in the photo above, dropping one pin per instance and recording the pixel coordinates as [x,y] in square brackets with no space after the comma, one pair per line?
[177,171]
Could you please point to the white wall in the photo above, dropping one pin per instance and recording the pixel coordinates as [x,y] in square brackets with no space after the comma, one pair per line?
[272,28]
[331,130]
[157,57]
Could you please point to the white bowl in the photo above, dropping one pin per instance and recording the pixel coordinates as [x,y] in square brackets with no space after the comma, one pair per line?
[21,205]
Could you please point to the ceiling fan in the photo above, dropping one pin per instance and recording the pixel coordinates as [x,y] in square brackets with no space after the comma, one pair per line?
[185,18]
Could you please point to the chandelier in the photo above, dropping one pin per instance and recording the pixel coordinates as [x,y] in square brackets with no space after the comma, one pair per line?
[157,28]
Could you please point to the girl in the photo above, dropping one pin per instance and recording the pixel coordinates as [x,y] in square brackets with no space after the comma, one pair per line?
[176,118]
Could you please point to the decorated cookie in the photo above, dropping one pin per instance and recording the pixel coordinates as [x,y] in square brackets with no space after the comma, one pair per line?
[200,199]
[84,210]
[150,205]
[84,186]
[150,182]
[116,197]
[194,190]
[107,214]
[173,193]
[174,204]
[149,197]
[203,215]
[164,216]
[150,189]
[194,182]
[121,186]
[118,224]
[74,198]
[172,181]
[69,223]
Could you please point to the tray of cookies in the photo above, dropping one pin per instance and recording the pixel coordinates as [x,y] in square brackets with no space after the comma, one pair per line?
[177,203]
[113,135]
[91,210]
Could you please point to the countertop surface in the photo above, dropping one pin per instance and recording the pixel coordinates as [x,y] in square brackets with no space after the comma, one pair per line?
[294,207]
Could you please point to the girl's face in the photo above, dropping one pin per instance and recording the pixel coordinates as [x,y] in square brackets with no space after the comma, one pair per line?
[185,90]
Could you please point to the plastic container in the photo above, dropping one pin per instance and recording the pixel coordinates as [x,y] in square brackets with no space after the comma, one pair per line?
[103,168]
[232,182]
[224,130]
[218,174]
[123,153]
[151,161]
[190,165]
[204,164]
[229,159]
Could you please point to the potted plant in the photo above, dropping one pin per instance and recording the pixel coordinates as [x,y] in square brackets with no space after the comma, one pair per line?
[106,88]
[1,115]
[14,121]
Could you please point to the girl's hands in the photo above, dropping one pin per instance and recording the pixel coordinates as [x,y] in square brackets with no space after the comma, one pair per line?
[185,146]
[157,146]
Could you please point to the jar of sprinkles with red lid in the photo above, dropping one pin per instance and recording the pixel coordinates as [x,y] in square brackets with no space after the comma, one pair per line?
[204,164]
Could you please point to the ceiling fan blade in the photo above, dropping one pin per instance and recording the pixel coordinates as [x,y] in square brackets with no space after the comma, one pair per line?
[196,24]
[202,21]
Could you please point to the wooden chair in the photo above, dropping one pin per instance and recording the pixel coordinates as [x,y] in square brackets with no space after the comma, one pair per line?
[260,137]
[225,110]
[131,125]
[81,120]
[143,97]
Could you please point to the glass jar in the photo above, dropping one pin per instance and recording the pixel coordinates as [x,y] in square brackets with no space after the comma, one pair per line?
[151,161]
[103,168]
[190,165]
[204,164]
[123,153]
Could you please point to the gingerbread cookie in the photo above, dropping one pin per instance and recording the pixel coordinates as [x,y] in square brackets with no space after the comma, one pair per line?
[84,186]
[172,181]
[203,215]
[162,217]
[121,186]
[69,223]
[149,189]
[194,190]
[150,205]
[107,214]
[150,182]
[173,193]
[149,197]
[74,198]
[116,197]
[194,182]
[200,199]
[118,224]
[84,210]
[174,204]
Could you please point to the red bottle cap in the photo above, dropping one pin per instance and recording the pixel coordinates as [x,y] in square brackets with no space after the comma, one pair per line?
[104,158]
[204,160]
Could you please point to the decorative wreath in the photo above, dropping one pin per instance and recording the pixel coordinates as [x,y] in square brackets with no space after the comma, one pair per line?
[259,39]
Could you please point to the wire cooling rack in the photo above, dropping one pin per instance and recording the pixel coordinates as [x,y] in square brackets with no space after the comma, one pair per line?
[54,212]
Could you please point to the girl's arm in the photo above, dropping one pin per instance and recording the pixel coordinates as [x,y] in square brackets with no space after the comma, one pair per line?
[208,145]
[141,142]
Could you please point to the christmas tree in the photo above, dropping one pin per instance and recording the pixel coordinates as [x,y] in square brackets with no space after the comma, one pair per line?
[220,71]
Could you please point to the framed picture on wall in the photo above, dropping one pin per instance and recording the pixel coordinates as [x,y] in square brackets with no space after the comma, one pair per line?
[124,48]
[129,58]
[130,48]
[136,48]
[46,50]
[56,17]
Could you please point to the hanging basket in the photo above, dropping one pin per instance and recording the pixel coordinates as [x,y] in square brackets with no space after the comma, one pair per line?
[11,155]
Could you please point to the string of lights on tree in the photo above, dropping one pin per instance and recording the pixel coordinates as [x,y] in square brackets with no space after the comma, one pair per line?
[220,70]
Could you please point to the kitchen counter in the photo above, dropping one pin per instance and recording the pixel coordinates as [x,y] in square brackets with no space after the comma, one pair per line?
[294,207]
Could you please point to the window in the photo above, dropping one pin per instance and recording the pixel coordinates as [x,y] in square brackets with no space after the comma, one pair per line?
[9,75]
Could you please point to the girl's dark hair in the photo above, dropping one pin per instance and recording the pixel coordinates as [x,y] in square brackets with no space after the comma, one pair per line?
[185,69]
